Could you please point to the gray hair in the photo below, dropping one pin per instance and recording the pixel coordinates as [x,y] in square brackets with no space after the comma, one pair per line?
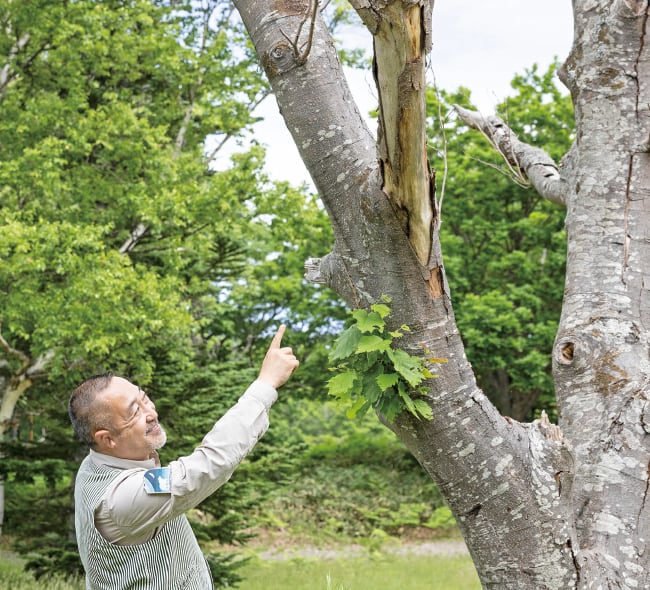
[87,414]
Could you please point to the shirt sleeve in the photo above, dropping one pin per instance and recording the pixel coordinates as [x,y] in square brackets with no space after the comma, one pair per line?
[128,515]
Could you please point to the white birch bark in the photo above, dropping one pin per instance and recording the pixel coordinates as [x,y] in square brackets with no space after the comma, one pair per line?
[601,363]
[540,506]
[12,388]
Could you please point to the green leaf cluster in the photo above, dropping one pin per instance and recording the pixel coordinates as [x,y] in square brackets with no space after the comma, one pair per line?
[103,127]
[372,373]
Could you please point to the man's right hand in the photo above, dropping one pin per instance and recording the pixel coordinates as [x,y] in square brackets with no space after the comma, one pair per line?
[279,362]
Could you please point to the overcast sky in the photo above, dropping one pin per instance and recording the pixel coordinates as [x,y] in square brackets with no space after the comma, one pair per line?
[480,44]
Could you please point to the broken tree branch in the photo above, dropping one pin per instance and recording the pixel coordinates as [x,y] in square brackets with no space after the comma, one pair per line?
[533,162]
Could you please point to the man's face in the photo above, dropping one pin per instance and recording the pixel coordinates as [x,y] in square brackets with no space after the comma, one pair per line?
[135,432]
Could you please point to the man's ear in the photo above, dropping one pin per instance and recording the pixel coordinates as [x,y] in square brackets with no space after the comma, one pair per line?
[104,439]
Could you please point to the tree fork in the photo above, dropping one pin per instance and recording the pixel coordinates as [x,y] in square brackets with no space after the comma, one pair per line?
[511,486]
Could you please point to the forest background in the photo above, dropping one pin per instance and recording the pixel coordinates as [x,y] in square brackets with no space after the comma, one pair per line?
[123,248]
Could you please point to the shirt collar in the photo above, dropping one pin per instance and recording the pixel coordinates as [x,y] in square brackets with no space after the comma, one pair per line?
[102,460]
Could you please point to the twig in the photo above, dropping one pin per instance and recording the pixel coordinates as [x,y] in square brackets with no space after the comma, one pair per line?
[299,55]
[445,161]
[518,179]
[227,136]
[19,354]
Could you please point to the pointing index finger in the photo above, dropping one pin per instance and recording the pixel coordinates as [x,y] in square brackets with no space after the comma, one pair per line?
[277,339]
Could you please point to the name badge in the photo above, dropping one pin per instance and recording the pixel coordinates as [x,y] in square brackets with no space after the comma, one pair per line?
[158,480]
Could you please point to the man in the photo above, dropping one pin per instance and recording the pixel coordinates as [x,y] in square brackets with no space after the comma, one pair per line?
[129,511]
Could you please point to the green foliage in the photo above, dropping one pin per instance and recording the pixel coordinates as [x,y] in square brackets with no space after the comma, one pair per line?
[96,142]
[371,373]
[225,569]
[12,576]
[44,541]
[52,554]
[442,518]
[122,249]
[504,245]
[324,477]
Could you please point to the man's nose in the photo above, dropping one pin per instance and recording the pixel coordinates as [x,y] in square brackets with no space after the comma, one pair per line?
[150,409]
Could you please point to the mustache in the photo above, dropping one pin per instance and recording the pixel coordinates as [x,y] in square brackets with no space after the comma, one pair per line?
[153,426]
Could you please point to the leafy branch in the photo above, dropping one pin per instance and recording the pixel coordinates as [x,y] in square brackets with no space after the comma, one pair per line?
[371,373]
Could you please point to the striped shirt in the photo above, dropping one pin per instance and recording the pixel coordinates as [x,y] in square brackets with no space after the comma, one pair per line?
[130,538]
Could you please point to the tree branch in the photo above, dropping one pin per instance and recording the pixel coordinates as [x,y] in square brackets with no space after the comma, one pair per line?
[332,272]
[19,354]
[20,381]
[5,76]
[37,368]
[528,160]
[133,239]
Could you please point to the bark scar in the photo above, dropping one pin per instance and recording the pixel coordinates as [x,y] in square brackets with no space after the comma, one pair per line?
[550,431]
[638,57]
[645,495]
[558,482]
[435,283]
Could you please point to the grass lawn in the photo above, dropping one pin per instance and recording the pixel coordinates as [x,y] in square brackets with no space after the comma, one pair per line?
[377,571]
[388,572]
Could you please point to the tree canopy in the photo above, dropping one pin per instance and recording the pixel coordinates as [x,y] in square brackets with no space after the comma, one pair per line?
[504,244]
[122,248]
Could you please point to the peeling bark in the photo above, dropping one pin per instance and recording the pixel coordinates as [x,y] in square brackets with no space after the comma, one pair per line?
[400,45]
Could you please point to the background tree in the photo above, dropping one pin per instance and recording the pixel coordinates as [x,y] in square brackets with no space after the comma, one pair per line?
[116,236]
[504,244]
[540,506]
[104,184]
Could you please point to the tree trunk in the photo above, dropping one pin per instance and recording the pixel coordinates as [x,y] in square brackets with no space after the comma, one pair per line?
[540,506]
[601,364]
[10,396]
[12,388]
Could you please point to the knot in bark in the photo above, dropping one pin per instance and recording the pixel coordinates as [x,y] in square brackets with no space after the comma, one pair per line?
[279,59]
